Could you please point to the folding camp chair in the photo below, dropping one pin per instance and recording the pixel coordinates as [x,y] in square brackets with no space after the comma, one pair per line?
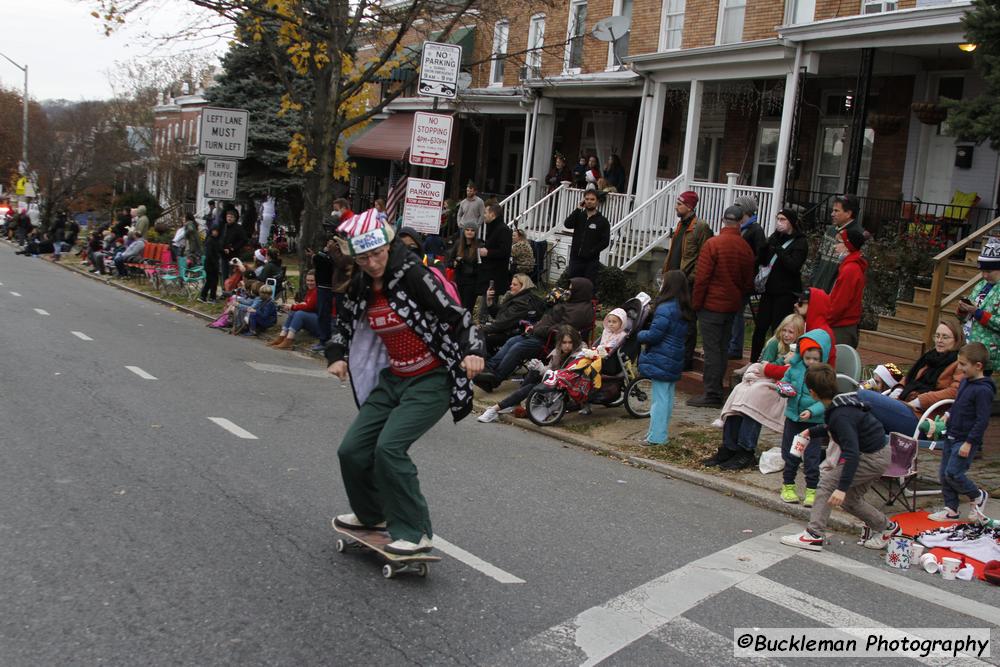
[848,369]
[901,474]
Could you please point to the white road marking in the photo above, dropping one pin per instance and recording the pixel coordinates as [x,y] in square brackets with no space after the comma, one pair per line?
[233,428]
[827,613]
[904,584]
[41,312]
[704,645]
[602,631]
[141,373]
[475,562]
[288,370]
[15,294]
[81,335]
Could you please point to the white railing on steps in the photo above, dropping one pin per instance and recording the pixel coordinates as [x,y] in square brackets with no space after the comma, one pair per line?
[644,228]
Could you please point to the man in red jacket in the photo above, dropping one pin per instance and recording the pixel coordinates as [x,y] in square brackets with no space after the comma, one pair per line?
[849,288]
[723,277]
[814,306]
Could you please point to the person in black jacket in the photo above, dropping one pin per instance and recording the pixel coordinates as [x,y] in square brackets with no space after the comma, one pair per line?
[123,222]
[785,252]
[213,256]
[845,478]
[591,235]
[494,251]
[518,305]
[234,238]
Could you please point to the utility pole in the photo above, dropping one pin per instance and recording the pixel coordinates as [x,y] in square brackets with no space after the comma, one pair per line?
[24,121]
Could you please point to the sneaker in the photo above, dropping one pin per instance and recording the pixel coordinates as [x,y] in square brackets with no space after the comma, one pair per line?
[947,514]
[585,410]
[407,548]
[977,509]
[866,534]
[881,539]
[810,498]
[719,457]
[704,402]
[804,540]
[489,415]
[317,347]
[789,494]
[352,522]
[740,461]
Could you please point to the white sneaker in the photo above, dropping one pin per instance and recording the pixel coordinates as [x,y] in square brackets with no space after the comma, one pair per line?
[977,509]
[804,540]
[947,514]
[352,522]
[489,415]
[407,548]
[880,540]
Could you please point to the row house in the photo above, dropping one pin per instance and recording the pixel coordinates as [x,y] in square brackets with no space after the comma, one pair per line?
[174,175]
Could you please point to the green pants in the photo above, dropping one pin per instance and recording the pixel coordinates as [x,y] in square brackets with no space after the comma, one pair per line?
[380,479]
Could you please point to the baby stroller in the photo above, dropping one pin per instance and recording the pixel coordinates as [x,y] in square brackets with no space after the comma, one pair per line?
[611,381]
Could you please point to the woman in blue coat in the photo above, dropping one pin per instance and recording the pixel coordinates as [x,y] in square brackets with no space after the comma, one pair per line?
[663,359]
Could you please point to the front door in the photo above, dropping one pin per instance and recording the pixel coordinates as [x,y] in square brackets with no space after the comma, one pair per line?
[939,155]
[513,155]
[831,167]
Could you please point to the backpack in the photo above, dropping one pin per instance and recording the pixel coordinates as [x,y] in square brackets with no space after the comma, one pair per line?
[449,287]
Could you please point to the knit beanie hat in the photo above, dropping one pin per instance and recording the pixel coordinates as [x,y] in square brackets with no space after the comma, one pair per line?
[747,203]
[363,233]
[689,198]
[792,216]
[470,224]
[853,237]
[989,257]
[806,344]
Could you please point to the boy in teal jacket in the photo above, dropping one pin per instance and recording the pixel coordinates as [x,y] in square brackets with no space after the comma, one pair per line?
[801,413]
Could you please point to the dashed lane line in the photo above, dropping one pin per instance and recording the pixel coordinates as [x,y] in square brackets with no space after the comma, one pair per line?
[81,335]
[40,311]
[238,431]
[141,373]
[15,294]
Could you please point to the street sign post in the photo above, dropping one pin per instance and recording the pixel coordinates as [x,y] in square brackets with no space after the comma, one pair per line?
[220,179]
[224,133]
[430,143]
[439,68]
[423,205]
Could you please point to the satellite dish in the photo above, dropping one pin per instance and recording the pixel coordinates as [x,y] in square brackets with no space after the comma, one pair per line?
[464,80]
[612,28]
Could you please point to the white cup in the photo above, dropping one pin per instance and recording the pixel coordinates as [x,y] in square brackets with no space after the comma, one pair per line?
[916,551]
[949,567]
[793,347]
[966,573]
[799,444]
[930,563]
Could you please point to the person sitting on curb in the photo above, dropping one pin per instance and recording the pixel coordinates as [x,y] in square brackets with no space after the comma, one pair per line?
[253,316]
[569,344]
[856,458]
[578,313]
[301,315]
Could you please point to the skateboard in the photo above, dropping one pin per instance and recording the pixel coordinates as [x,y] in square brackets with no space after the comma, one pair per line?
[375,541]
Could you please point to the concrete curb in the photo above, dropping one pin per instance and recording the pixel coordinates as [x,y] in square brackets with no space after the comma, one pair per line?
[759,497]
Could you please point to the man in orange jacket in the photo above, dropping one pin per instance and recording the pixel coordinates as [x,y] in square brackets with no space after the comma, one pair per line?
[849,288]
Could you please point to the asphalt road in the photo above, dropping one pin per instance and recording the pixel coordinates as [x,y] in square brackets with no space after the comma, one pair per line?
[134,530]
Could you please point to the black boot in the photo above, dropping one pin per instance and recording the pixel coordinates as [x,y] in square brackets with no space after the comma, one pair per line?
[720,457]
[742,460]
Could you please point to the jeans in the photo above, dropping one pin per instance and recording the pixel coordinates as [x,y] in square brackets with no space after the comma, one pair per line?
[954,481]
[895,415]
[324,301]
[531,380]
[120,265]
[660,412]
[811,458]
[715,330]
[517,349]
[740,432]
[302,319]
[739,331]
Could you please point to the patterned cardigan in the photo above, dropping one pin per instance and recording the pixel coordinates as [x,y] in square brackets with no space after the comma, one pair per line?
[984,326]
[414,294]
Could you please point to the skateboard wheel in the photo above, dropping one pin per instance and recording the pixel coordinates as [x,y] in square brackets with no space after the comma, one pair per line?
[422,569]
[341,546]
[387,571]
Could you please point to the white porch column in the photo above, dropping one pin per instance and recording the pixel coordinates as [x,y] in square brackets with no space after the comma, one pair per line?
[654,104]
[692,130]
[784,141]
[200,202]
[529,142]
[545,134]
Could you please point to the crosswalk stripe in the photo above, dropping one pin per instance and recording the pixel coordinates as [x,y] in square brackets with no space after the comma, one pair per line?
[41,312]
[15,294]
[141,373]
[897,581]
[602,631]
[81,335]
[236,430]
[706,646]
[826,613]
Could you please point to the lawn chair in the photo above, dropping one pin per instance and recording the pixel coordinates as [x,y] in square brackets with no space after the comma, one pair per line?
[901,474]
[848,369]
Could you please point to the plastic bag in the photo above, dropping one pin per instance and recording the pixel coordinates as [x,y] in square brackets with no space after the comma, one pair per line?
[771,461]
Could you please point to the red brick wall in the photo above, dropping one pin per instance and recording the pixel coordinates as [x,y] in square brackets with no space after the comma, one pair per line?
[700,19]
[762,16]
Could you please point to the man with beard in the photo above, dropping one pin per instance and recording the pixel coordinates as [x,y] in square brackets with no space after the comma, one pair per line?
[591,235]
[685,246]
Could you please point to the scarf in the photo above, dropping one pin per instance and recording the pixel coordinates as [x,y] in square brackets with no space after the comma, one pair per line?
[934,362]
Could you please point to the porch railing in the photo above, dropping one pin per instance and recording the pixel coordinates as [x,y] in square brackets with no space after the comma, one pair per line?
[518,202]
[544,218]
[895,215]
[940,301]
[644,228]
[714,198]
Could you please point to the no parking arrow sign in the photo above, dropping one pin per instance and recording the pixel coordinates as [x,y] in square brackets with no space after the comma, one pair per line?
[430,142]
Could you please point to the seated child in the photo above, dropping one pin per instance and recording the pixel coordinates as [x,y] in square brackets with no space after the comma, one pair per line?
[884,378]
[781,346]
[857,456]
[615,330]
[563,354]
[966,422]
[255,315]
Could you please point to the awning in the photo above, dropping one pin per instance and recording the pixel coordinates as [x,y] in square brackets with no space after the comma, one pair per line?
[389,140]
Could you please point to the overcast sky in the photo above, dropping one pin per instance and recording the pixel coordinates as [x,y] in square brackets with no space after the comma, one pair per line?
[66,51]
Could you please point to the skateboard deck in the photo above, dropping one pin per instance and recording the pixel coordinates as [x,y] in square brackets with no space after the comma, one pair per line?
[375,541]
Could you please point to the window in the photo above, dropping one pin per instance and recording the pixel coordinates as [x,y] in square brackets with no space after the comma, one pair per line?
[767,156]
[501,31]
[831,165]
[671,24]
[575,35]
[800,11]
[536,40]
[878,6]
[619,48]
[731,13]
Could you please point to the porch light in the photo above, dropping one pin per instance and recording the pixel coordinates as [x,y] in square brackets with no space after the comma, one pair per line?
[968,47]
